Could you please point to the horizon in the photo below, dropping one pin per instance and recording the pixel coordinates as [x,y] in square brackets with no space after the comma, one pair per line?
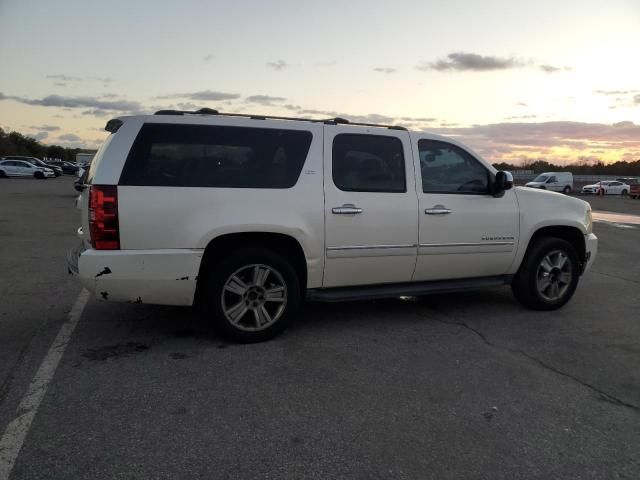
[517,82]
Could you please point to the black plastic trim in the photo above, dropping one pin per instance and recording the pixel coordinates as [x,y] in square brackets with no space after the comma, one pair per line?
[390,290]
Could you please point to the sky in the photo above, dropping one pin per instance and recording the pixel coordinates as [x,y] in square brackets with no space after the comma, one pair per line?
[517,81]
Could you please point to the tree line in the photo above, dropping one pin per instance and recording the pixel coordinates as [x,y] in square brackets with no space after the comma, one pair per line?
[14,143]
[620,168]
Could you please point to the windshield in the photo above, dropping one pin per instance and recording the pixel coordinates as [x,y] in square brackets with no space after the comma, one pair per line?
[541,178]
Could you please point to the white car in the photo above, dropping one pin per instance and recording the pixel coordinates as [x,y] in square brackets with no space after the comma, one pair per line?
[554,181]
[20,168]
[610,187]
[246,216]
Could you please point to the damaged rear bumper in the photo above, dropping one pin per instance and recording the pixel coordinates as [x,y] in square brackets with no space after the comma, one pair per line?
[166,277]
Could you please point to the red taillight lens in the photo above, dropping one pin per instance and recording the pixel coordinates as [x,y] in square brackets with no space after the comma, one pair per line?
[103,217]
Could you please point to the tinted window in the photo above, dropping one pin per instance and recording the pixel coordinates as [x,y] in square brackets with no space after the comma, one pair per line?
[216,156]
[447,168]
[552,180]
[368,163]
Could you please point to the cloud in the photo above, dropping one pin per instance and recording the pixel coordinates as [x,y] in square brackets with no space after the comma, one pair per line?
[517,141]
[386,70]
[69,137]
[69,78]
[615,92]
[264,99]
[461,61]
[521,117]
[46,128]
[521,104]
[41,135]
[208,58]
[64,78]
[77,102]
[59,84]
[553,69]
[278,65]
[636,99]
[203,95]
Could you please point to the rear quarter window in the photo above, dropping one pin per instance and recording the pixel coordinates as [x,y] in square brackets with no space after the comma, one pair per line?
[216,156]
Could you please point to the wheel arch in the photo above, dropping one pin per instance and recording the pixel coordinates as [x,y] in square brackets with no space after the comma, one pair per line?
[573,235]
[281,243]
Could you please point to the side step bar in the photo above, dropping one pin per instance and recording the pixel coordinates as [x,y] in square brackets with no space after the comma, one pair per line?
[390,290]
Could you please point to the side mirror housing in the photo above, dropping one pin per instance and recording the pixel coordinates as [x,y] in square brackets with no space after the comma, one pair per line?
[502,183]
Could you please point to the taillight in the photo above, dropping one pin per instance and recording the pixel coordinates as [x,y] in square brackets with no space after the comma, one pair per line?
[103,217]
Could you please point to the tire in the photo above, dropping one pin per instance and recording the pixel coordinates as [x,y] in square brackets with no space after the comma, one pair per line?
[624,193]
[2,174]
[531,275]
[543,187]
[220,293]
[566,190]
[39,175]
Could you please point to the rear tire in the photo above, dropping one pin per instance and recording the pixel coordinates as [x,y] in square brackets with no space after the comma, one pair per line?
[548,276]
[566,190]
[251,295]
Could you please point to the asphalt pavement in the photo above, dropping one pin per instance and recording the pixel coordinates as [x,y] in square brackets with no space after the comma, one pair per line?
[468,385]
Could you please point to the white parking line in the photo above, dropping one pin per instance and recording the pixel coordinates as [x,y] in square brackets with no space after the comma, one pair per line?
[13,438]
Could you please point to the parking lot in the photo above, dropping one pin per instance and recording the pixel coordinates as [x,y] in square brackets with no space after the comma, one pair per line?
[451,386]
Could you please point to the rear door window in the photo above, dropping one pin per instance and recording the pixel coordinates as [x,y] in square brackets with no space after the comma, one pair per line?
[216,156]
[368,163]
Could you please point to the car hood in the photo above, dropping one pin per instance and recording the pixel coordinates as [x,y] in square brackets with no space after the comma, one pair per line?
[533,184]
[552,207]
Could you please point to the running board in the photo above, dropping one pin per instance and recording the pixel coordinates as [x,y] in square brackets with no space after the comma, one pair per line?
[390,290]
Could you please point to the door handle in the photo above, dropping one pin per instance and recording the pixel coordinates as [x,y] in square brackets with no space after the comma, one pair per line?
[437,210]
[346,209]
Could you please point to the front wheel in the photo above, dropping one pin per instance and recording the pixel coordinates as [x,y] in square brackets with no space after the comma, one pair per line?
[548,276]
[2,174]
[39,175]
[623,193]
[251,295]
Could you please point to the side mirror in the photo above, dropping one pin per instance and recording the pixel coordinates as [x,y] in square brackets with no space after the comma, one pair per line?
[502,183]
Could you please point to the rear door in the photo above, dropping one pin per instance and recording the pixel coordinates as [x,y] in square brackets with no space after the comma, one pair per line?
[464,230]
[371,207]
[9,168]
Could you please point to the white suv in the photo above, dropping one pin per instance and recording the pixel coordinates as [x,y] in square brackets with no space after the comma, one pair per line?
[245,216]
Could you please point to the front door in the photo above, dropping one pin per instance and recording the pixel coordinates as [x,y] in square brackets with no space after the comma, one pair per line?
[371,208]
[464,230]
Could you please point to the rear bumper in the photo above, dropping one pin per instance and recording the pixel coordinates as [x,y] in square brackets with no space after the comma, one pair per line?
[166,277]
[591,249]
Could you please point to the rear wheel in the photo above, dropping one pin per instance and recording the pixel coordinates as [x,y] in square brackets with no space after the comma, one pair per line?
[548,276]
[567,190]
[251,295]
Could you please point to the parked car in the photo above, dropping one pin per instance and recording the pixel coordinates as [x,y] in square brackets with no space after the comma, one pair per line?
[555,181]
[610,187]
[70,168]
[36,161]
[634,185]
[22,168]
[246,216]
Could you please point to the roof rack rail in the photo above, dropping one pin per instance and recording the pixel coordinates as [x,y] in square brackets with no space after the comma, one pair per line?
[328,121]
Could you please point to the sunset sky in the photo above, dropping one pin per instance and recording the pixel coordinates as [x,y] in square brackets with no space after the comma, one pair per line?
[557,80]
